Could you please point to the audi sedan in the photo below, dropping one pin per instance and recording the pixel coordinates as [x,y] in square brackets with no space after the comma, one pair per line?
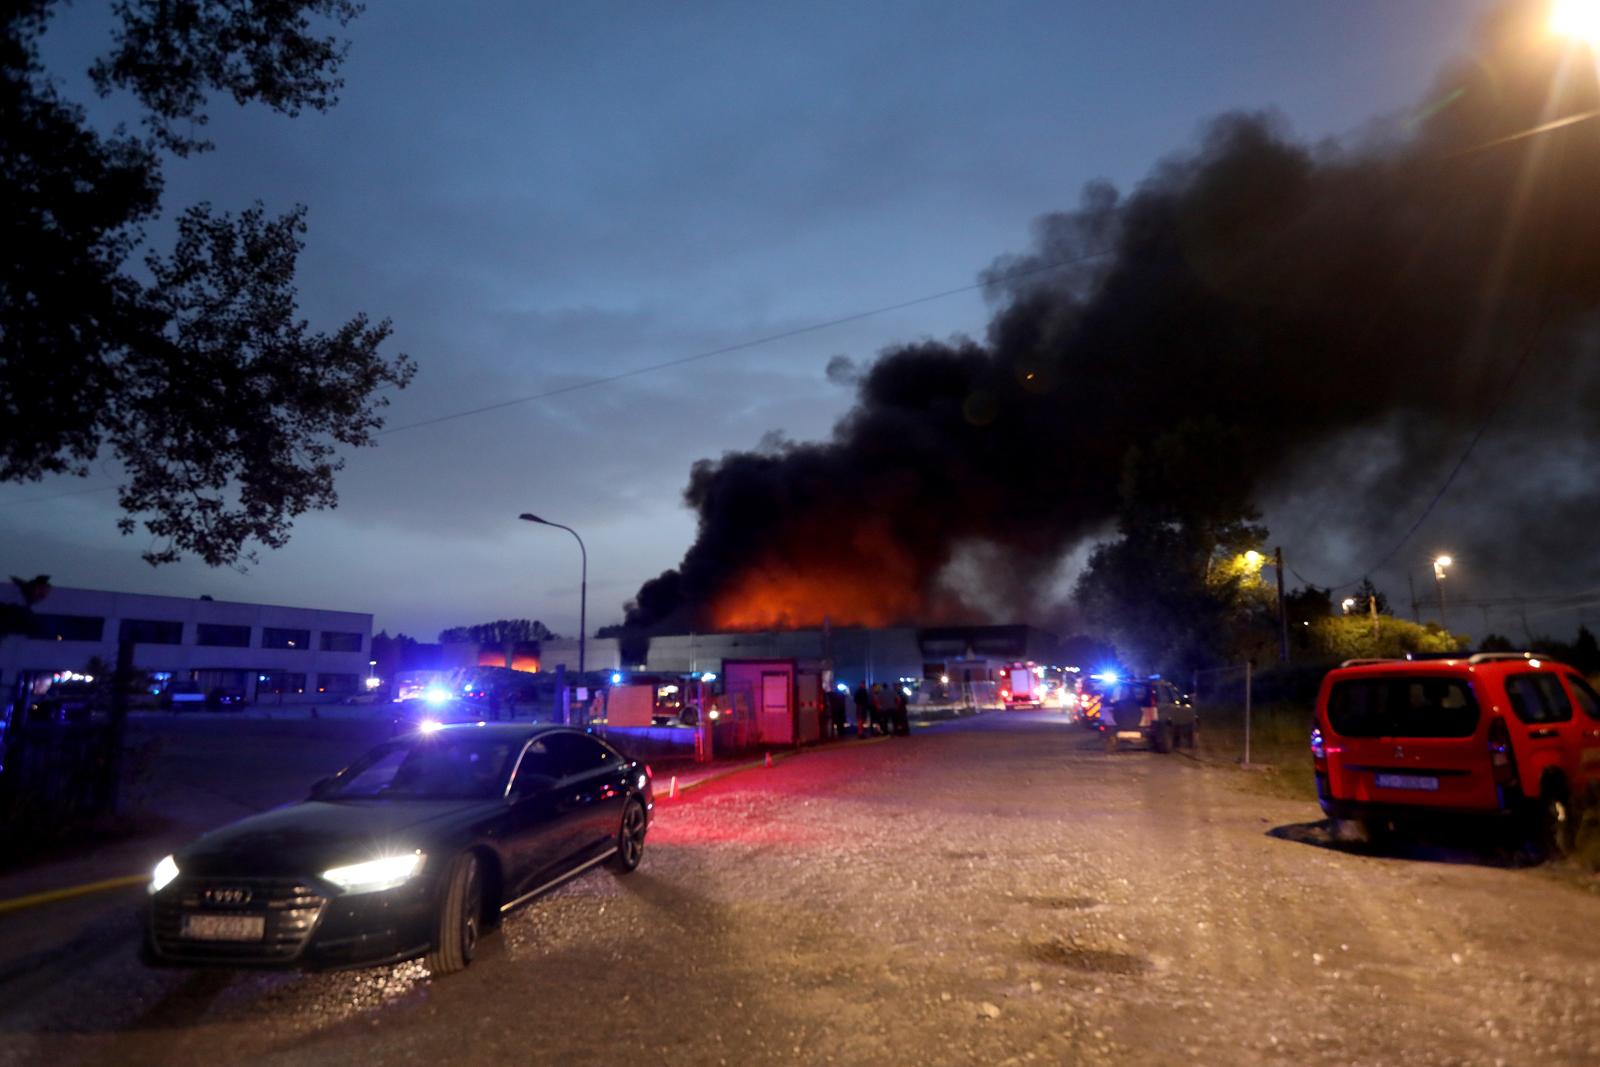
[413,850]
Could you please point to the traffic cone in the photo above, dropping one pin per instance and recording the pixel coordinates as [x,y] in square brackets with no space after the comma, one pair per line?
[769,759]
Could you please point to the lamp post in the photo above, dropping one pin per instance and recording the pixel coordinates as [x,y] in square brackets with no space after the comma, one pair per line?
[583,589]
[1439,565]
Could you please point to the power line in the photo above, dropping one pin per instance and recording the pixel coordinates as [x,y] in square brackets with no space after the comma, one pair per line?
[1494,409]
[800,331]
[743,345]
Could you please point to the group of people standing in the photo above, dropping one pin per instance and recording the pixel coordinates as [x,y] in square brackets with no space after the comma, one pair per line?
[879,710]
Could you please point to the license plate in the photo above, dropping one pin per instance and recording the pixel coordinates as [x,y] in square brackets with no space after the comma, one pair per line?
[1407,781]
[225,927]
[1129,735]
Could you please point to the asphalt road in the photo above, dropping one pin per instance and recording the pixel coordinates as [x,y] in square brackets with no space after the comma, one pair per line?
[997,891]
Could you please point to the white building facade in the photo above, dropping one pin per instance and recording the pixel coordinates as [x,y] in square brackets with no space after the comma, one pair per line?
[269,653]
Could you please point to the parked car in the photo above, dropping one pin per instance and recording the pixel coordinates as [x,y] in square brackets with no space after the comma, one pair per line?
[1510,736]
[222,696]
[1150,712]
[181,694]
[413,850]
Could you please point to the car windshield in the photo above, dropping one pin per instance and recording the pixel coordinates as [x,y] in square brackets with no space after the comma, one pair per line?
[429,767]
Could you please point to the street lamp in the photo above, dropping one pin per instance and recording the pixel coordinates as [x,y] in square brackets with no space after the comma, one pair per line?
[1439,565]
[1348,604]
[1578,20]
[583,589]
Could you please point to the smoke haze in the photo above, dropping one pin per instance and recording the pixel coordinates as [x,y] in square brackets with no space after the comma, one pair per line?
[1358,310]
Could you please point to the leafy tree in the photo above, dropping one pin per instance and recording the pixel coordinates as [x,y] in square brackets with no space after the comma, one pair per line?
[222,408]
[1365,593]
[385,647]
[1585,652]
[1175,589]
[1081,650]
[1340,637]
[500,632]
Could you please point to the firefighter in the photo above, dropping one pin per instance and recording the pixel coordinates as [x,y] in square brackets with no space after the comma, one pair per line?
[863,710]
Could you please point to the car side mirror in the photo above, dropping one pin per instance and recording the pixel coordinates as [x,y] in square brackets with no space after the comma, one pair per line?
[322,787]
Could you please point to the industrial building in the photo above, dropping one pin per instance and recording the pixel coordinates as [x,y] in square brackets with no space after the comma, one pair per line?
[268,653]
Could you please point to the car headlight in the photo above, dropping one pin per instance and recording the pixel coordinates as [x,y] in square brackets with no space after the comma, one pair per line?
[163,875]
[373,875]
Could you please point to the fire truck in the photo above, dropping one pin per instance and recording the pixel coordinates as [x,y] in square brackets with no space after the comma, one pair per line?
[1022,685]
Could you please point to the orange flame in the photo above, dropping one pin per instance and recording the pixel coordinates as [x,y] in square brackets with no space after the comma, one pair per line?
[872,582]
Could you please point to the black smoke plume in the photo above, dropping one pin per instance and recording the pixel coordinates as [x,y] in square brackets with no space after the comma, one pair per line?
[1356,310]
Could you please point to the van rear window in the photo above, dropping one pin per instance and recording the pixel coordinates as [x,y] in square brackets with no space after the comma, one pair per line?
[1402,707]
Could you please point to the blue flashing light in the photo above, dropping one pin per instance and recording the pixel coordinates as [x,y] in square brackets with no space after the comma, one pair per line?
[436,695]
[1108,677]
[843,688]
[616,678]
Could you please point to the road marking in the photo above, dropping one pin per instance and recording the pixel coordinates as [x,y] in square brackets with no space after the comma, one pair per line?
[50,896]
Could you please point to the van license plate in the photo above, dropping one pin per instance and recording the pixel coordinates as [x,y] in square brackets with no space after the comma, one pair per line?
[1407,781]
[224,927]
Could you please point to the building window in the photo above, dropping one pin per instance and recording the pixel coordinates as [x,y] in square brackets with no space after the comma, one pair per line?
[333,641]
[218,636]
[338,684]
[271,637]
[151,632]
[66,627]
[280,682]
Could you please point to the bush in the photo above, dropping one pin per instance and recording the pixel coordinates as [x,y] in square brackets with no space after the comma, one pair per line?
[1341,637]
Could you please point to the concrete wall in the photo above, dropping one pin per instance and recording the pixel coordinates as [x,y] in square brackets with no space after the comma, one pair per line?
[19,654]
[599,654]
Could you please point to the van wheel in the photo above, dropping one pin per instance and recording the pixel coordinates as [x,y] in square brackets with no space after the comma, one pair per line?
[1555,827]
[1380,833]
[1161,737]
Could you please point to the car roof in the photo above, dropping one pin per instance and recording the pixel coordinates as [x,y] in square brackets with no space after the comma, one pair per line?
[1466,663]
[517,731]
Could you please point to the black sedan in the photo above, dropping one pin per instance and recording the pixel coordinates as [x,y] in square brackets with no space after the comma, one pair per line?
[410,851]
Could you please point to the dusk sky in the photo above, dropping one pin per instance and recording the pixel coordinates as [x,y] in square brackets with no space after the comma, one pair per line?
[539,195]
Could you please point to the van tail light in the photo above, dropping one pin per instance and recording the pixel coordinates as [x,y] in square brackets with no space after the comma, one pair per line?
[1501,757]
[648,773]
[1319,751]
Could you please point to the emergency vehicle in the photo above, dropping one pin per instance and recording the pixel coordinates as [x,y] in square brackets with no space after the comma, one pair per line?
[1022,685]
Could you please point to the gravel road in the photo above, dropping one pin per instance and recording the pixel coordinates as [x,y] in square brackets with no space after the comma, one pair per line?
[995,891]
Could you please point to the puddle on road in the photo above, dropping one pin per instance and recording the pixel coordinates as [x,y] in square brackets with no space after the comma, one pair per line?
[1087,960]
[1064,903]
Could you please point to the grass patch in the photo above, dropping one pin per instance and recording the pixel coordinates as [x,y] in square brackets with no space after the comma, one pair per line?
[1278,744]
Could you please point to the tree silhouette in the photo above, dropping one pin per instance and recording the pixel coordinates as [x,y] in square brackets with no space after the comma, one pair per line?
[190,369]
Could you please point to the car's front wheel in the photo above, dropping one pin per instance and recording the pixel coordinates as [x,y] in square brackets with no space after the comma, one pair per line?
[460,918]
[630,837]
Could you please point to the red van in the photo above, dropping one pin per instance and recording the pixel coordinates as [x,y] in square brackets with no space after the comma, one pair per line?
[1508,734]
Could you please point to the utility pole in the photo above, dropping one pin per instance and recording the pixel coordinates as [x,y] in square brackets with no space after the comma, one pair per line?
[1283,615]
[1411,584]
[1372,609]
